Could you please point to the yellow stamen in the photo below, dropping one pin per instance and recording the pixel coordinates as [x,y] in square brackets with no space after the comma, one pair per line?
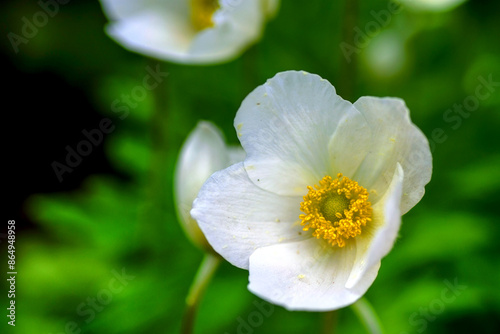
[202,12]
[336,210]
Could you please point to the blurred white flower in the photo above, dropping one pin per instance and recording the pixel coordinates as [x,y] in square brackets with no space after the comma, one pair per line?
[188,31]
[432,5]
[203,153]
[313,238]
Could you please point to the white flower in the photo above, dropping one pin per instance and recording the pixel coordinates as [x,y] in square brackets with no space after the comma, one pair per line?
[432,5]
[188,31]
[314,248]
[203,153]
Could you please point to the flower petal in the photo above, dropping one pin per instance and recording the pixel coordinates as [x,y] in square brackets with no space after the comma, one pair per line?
[119,9]
[203,153]
[374,243]
[238,217]
[349,145]
[394,139]
[163,29]
[237,24]
[307,275]
[159,33]
[285,127]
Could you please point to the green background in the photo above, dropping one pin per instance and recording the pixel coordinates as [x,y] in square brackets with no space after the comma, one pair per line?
[115,211]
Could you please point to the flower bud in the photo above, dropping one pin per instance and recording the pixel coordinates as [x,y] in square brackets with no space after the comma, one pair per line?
[203,153]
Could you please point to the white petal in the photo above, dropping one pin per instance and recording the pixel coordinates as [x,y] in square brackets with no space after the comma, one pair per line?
[308,275]
[163,29]
[203,153]
[285,127]
[238,217]
[374,243]
[394,139]
[158,33]
[119,9]
[349,145]
[237,24]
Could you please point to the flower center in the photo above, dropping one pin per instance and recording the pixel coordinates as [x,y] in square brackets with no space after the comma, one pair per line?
[336,210]
[202,12]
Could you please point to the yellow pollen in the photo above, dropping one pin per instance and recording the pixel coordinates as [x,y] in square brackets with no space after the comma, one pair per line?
[336,210]
[202,12]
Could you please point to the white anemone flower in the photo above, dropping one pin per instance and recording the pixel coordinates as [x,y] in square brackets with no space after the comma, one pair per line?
[318,200]
[203,153]
[188,31]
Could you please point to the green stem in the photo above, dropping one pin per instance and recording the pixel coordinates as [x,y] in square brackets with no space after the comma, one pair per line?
[330,322]
[198,287]
[367,315]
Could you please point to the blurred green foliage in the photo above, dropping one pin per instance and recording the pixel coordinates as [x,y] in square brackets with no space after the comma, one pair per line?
[430,59]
